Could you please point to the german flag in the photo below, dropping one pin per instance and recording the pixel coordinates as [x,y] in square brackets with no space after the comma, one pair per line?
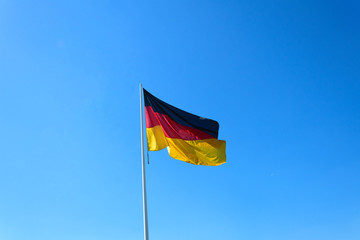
[188,137]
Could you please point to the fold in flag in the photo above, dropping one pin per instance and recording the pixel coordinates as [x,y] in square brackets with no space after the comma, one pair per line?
[188,137]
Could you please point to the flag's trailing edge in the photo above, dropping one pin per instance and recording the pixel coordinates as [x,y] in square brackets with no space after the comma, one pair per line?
[188,137]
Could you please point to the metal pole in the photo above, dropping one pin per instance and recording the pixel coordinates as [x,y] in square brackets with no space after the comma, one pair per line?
[146,231]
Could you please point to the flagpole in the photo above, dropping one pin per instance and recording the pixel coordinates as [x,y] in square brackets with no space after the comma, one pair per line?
[146,230]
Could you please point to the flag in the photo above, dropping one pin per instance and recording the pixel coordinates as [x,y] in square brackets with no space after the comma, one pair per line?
[187,137]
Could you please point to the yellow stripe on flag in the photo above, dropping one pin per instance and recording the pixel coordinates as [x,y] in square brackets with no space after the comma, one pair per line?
[210,152]
[156,138]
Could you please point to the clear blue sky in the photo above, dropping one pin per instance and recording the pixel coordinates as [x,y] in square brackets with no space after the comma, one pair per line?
[281,77]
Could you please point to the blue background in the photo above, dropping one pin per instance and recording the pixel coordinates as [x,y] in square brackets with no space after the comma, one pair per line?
[281,77]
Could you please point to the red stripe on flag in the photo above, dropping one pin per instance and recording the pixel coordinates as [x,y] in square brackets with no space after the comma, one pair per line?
[150,117]
[171,128]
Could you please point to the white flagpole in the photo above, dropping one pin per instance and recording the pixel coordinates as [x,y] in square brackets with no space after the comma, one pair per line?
[146,230]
